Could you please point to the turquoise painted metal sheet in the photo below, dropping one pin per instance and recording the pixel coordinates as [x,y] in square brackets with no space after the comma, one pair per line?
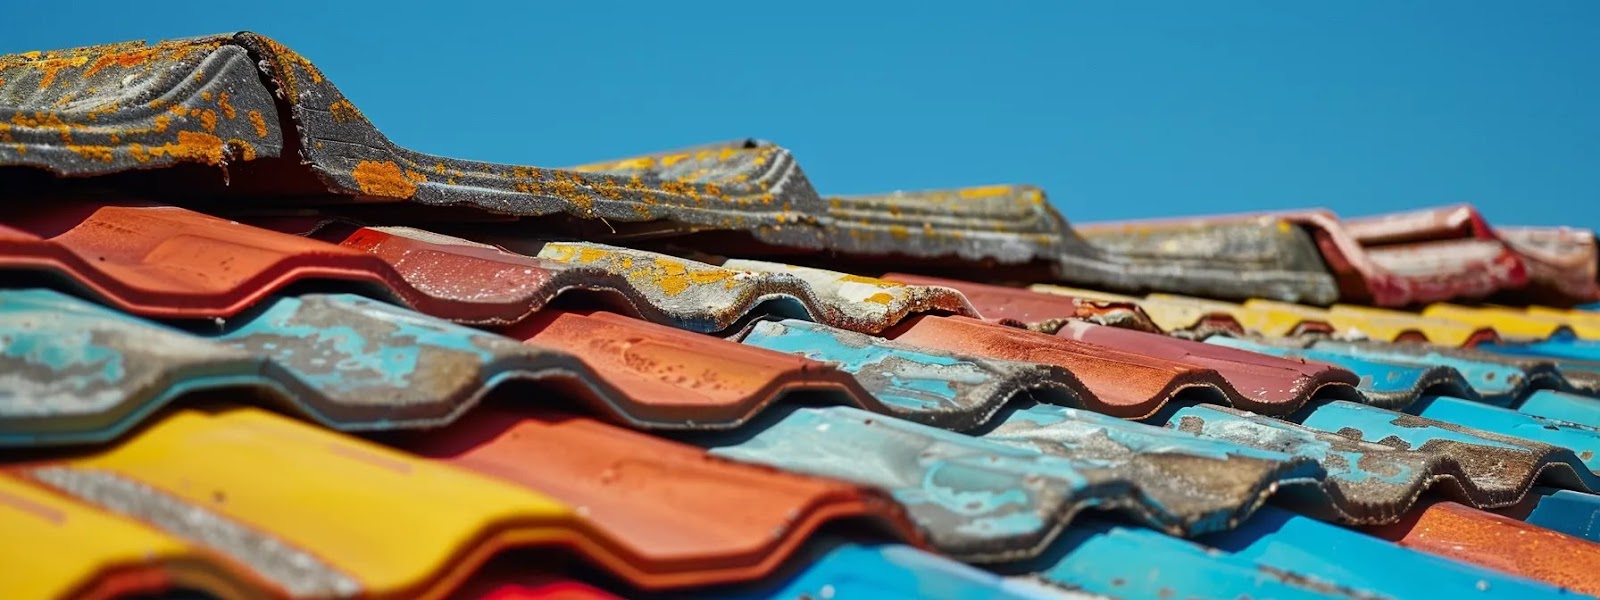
[1099,556]
[1581,440]
[1495,383]
[1510,457]
[1559,406]
[1372,482]
[1583,354]
[76,372]
[889,571]
[1574,513]
[1384,383]
[925,386]
[1006,499]
[1283,540]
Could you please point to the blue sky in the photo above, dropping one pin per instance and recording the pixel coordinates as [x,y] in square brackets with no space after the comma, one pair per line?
[1119,110]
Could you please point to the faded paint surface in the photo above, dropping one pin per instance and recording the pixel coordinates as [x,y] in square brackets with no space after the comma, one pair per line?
[1007,498]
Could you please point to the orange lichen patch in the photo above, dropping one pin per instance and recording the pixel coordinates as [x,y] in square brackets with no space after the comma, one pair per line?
[52,67]
[100,153]
[383,179]
[259,122]
[439,168]
[899,232]
[672,159]
[41,120]
[245,150]
[208,119]
[344,111]
[675,277]
[227,109]
[138,153]
[191,145]
[416,176]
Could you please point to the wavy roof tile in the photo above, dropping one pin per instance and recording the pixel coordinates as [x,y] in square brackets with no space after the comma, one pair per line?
[74,551]
[680,379]
[82,373]
[1277,319]
[722,294]
[1494,542]
[1007,494]
[1535,372]
[1123,383]
[272,493]
[941,389]
[1039,311]
[726,522]
[1371,479]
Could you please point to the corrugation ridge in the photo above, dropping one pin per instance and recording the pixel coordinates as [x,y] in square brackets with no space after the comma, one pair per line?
[969,336]
[700,291]
[996,501]
[423,373]
[1351,499]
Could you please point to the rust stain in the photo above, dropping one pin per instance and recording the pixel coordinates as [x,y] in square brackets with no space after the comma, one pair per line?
[383,179]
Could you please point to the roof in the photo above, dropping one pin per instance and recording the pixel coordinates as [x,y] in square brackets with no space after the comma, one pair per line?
[251,348]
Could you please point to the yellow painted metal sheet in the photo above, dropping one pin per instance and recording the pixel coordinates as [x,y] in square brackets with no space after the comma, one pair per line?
[1509,322]
[1396,324]
[1583,322]
[57,548]
[400,526]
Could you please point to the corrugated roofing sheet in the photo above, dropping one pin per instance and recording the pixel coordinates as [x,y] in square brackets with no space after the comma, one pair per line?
[1371,478]
[1119,382]
[1007,494]
[518,498]
[726,523]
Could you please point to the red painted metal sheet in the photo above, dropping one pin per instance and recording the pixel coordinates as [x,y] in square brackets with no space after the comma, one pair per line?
[678,517]
[1037,311]
[1264,378]
[172,262]
[1119,383]
[675,375]
[477,283]
[1500,543]
[1560,261]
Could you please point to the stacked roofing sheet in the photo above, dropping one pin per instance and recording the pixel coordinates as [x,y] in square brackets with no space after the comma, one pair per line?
[249,348]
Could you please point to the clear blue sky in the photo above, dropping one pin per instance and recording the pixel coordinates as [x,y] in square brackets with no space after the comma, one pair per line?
[1119,110]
